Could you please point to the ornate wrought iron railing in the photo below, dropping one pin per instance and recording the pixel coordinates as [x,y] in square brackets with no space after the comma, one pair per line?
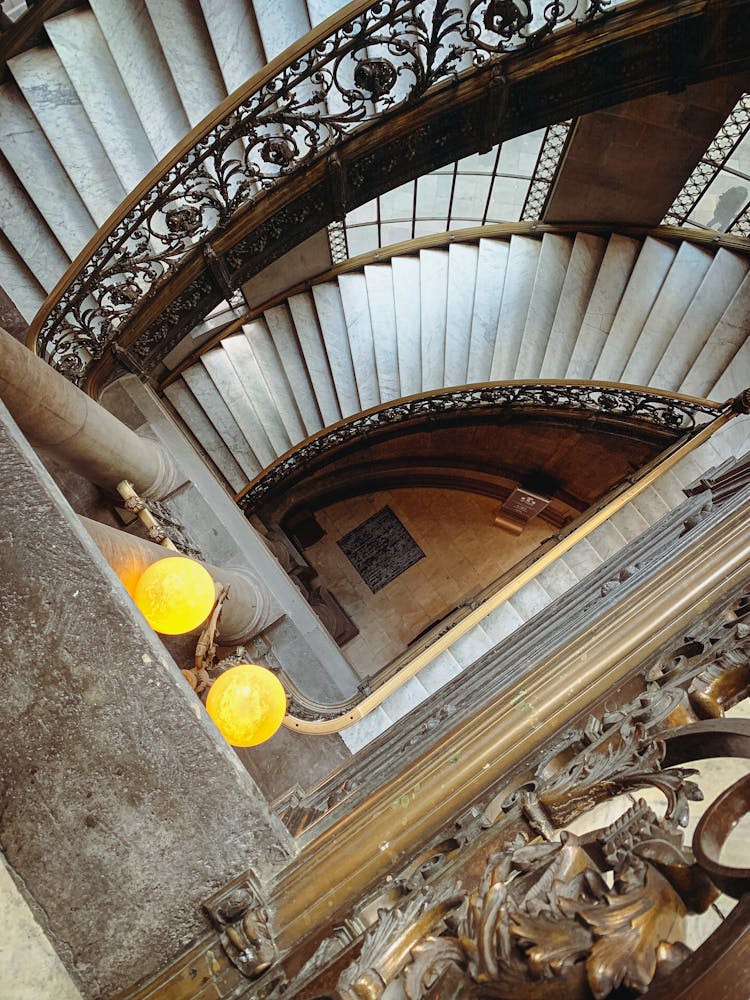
[680,414]
[359,66]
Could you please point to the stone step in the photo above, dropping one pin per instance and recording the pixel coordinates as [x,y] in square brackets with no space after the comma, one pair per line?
[34,163]
[206,395]
[310,340]
[433,297]
[235,40]
[56,106]
[492,265]
[239,397]
[354,302]
[648,275]
[523,258]
[282,332]
[186,44]
[83,51]
[382,309]
[264,350]
[18,282]
[462,275]
[554,258]
[405,272]
[580,277]
[280,24]
[718,354]
[254,383]
[719,286]
[332,322]
[611,282]
[135,48]
[680,286]
[204,430]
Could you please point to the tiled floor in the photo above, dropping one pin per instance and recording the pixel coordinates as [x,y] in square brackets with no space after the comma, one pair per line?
[464,551]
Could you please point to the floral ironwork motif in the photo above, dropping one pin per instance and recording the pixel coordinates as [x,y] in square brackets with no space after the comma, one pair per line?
[674,414]
[387,54]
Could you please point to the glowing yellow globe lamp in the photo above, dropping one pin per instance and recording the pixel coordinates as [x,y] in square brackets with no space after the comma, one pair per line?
[175,595]
[247,704]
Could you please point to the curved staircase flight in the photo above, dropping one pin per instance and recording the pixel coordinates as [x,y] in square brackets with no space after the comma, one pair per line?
[646,310]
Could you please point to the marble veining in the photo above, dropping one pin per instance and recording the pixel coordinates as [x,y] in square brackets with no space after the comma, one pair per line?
[18,283]
[58,109]
[235,39]
[519,283]
[84,53]
[580,276]
[491,267]
[383,318]
[184,402]
[681,284]
[723,278]
[721,350]
[610,284]
[237,394]
[651,269]
[336,338]
[187,47]
[407,304]
[280,24]
[433,274]
[353,291]
[282,333]
[310,340]
[34,163]
[253,382]
[462,275]
[554,257]
[264,351]
[136,51]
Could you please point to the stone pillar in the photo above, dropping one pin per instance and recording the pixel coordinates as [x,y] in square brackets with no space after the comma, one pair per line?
[122,807]
[56,415]
[247,610]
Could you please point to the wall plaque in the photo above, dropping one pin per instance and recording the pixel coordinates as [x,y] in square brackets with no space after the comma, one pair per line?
[380,549]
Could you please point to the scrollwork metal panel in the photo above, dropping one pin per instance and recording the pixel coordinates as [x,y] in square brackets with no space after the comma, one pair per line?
[390,53]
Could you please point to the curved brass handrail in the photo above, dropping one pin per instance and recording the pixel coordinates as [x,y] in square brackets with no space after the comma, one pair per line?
[355,68]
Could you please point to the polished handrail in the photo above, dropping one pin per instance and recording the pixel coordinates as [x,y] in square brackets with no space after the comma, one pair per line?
[356,67]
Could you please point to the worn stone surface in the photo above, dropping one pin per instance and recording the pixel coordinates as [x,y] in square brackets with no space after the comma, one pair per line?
[120,806]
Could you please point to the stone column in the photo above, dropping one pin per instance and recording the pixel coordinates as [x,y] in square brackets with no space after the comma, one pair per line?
[247,610]
[56,415]
[122,807]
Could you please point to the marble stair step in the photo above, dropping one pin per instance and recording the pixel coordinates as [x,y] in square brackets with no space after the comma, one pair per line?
[629,522]
[235,39]
[680,286]
[648,275]
[330,313]
[279,25]
[557,578]
[669,488]
[705,378]
[255,385]
[611,282]
[25,228]
[554,258]
[354,302]
[186,44]
[521,270]
[135,48]
[264,350]
[282,332]
[56,106]
[403,701]
[217,412]
[582,559]
[406,301]
[239,399]
[381,305]
[607,539]
[462,275]
[530,600]
[43,177]
[18,282]
[580,277]
[310,339]
[492,264]
[711,300]
[433,295]
[468,648]
[203,430]
[358,735]
[501,622]
[83,51]
[651,504]
[439,672]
